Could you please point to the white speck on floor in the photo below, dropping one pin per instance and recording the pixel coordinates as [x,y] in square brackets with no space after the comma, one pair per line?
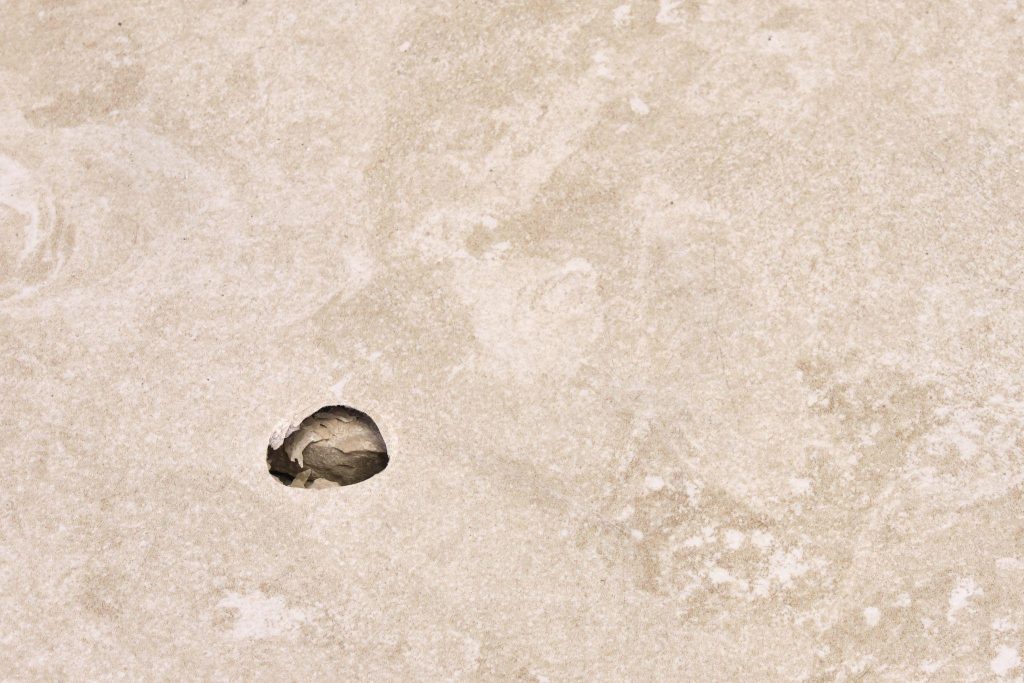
[799,486]
[653,482]
[1009,564]
[638,106]
[622,16]
[577,265]
[668,12]
[693,492]
[786,566]
[761,539]
[872,616]
[961,594]
[1006,660]
[260,616]
[734,538]
[1003,624]
[719,575]
[602,64]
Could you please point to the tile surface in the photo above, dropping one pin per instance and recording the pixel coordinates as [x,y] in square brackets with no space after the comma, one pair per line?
[693,327]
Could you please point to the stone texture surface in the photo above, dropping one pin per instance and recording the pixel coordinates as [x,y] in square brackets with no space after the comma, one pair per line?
[693,327]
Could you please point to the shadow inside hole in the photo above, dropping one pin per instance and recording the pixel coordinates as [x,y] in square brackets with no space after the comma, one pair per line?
[335,446]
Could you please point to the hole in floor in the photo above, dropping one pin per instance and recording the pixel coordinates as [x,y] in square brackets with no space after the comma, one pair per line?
[335,446]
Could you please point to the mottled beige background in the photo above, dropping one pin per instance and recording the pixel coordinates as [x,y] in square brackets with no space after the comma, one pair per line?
[694,329]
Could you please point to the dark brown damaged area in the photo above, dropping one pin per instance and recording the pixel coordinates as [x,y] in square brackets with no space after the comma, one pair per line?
[336,445]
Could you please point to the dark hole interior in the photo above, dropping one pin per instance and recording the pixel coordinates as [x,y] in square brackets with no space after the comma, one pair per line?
[335,446]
